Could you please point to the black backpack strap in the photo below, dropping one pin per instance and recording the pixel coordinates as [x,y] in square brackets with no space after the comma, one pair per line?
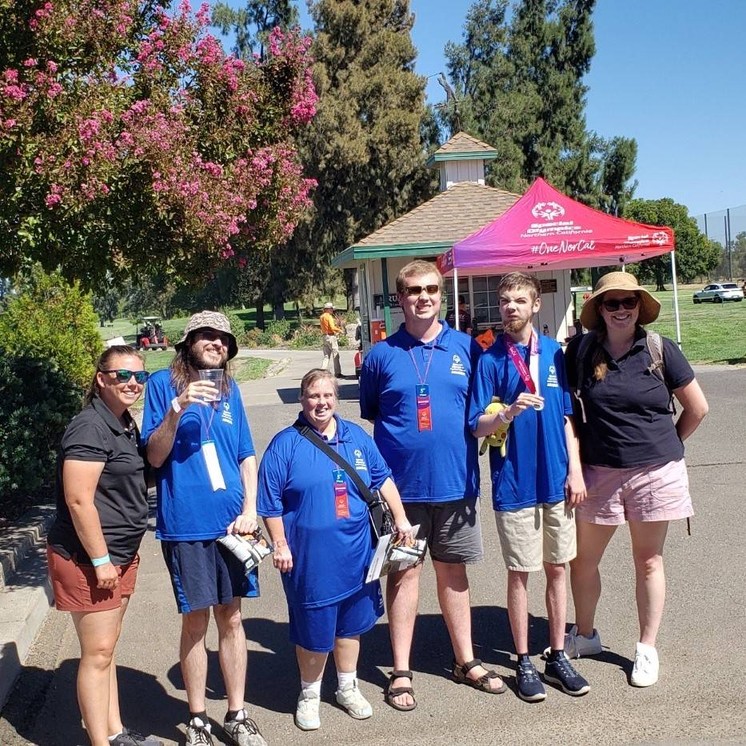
[323,446]
[587,341]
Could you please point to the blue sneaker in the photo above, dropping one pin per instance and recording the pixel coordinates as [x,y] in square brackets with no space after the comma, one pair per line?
[530,688]
[560,671]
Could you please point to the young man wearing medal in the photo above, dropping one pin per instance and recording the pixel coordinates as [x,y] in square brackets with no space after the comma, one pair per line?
[199,441]
[415,387]
[538,481]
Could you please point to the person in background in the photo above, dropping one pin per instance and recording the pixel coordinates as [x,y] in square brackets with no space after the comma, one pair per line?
[415,387]
[330,329]
[199,441]
[320,527]
[633,456]
[538,481]
[102,515]
[464,318]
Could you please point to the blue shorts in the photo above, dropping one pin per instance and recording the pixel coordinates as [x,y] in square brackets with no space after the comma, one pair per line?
[205,574]
[317,629]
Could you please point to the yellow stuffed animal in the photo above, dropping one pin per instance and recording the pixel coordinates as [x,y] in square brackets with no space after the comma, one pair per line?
[499,438]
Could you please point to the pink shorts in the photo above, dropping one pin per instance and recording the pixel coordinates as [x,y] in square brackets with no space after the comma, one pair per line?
[656,492]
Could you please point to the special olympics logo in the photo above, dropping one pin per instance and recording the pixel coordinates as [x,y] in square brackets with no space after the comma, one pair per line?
[659,238]
[547,210]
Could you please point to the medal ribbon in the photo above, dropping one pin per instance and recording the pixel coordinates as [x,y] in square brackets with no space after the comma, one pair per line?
[519,362]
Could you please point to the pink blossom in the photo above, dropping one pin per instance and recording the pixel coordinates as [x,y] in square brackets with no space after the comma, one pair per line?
[30,62]
[52,66]
[54,90]
[52,199]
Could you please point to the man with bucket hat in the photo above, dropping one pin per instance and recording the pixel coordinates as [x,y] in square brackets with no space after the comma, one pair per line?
[199,442]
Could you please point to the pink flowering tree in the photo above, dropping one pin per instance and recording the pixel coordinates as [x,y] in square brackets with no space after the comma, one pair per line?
[130,142]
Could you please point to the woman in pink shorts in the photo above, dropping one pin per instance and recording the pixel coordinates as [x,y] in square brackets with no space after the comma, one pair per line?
[632,451]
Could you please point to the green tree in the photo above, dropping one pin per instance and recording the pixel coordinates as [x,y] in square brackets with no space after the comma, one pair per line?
[695,254]
[518,76]
[252,24]
[364,147]
[54,321]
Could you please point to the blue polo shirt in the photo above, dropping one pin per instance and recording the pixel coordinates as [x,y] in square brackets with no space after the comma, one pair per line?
[437,465]
[188,508]
[535,467]
[296,481]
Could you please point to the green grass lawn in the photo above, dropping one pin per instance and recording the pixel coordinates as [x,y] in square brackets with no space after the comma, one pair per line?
[710,332]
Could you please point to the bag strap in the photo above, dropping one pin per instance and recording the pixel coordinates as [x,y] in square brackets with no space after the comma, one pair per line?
[324,447]
[655,349]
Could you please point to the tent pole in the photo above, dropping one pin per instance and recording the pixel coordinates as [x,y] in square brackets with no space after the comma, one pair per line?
[455,300]
[675,299]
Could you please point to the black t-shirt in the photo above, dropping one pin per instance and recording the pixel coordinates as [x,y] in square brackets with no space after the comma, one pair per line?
[121,495]
[628,418]
[464,319]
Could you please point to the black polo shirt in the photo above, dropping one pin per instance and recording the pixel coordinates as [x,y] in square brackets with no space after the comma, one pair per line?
[121,495]
[628,419]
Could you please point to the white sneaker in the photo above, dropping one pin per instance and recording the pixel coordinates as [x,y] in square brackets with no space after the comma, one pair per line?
[353,701]
[578,646]
[307,711]
[645,670]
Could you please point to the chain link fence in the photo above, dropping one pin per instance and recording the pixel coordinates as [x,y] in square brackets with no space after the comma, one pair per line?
[728,228]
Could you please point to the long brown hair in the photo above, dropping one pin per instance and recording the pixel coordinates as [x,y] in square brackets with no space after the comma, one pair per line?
[180,369]
[103,364]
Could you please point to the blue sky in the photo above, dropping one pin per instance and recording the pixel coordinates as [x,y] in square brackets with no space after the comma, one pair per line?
[667,72]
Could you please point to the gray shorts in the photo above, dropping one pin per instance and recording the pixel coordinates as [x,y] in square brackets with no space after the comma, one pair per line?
[452,529]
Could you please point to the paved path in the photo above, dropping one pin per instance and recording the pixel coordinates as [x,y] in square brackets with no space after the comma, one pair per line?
[699,698]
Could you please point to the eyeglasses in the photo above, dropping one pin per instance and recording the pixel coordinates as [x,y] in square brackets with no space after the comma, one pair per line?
[123,375]
[413,290]
[613,304]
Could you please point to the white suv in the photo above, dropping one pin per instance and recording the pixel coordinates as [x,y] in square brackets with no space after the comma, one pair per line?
[718,292]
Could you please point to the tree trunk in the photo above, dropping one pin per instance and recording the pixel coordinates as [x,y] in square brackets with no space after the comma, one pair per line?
[260,314]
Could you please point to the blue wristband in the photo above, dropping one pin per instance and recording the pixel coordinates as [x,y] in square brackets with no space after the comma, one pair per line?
[98,561]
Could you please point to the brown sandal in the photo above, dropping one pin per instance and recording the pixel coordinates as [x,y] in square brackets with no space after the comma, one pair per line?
[397,691]
[482,683]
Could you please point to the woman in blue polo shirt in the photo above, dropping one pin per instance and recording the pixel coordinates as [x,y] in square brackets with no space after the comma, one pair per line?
[319,525]
[632,454]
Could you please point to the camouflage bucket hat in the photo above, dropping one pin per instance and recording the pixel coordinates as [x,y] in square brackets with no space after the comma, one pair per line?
[210,320]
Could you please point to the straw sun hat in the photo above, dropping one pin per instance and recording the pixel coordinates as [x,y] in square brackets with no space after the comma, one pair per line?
[210,320]
[649,306]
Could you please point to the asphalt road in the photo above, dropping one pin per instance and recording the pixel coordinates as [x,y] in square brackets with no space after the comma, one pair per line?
[699,698]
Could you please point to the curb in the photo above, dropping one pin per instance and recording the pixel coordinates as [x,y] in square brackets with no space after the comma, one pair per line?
[25,593]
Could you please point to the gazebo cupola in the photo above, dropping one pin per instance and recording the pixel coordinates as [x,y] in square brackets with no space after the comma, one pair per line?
[461,159]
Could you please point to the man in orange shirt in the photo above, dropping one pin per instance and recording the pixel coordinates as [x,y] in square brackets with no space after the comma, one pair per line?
[330,329]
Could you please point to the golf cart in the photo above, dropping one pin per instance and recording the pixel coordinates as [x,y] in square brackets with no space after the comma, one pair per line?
[150,334]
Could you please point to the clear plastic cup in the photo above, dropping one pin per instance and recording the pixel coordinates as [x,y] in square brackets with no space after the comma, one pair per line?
[216,376]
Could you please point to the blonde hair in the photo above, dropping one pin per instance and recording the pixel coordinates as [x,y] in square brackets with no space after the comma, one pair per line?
[515,280]
[417,268]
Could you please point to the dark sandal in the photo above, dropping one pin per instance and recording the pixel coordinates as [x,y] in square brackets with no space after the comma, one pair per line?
[397,691]
[482,683]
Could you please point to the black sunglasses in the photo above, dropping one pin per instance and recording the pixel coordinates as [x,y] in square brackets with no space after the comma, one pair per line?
[123,375]
[613,304]
[413,290]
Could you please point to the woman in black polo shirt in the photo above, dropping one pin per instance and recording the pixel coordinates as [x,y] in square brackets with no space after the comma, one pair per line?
[102,514]
[632,454]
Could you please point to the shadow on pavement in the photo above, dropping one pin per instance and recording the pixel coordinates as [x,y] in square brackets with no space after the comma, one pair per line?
[145,706]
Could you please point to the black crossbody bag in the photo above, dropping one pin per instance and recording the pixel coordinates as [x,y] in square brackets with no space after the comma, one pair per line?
[381,520]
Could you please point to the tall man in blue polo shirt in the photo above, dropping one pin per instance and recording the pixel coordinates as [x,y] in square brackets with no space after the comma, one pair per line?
[415,387]
[538,481]
[199,441]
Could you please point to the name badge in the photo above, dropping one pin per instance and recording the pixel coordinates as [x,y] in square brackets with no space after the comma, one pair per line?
[424,412]
[210,454]
[341,503]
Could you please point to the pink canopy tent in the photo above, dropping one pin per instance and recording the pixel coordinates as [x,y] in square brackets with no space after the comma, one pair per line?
[546,230]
